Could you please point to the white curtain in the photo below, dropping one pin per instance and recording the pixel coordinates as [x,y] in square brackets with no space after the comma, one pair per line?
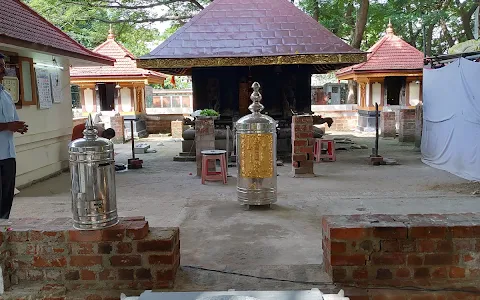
[451,127]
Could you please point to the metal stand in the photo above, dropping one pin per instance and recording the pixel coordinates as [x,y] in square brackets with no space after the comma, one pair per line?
[134,163]
[376,159]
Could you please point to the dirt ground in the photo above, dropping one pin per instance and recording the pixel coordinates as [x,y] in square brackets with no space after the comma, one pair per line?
[281,243]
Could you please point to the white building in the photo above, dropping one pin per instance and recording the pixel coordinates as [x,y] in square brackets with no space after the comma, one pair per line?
[38,57]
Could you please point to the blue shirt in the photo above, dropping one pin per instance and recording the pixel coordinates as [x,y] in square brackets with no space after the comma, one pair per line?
[8,113]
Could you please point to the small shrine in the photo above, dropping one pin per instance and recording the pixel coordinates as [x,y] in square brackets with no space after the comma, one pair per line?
[121,88]
[228,46]
[391,77]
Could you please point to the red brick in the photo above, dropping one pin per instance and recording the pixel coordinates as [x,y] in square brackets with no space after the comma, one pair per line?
[126,260]
[302,135]
[155,245]
[161,259]
[388,259]
[105,248]
[165,275]
[143,274]
[444,246]
[137,230]
[390,232]
[390,246]
[39,261]
[87,275]
[383,274]
[465,231]
[85,260]
[414,260]
[462,245]
[299,157]
[426,246]
[106,274]
[85,235]
[403,273]
[360,274]
[439,259]
[338,247]
[348,233]
[93,297]
[124,248]
[428,232]
[456,272]
[126,274]
[439,273]
[348,260]
[116,233]
[339,274]
[300,143]
[387,296]
[421,273]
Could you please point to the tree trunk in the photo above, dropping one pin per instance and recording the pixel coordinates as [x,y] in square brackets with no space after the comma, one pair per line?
[446,33]
[316,11]
[362,16]
[352,92]
[428,42]
[350,20]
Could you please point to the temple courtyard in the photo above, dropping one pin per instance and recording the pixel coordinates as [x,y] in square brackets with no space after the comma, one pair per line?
[284,242]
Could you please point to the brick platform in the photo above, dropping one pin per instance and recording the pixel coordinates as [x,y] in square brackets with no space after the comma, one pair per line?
[435,251]
[302,146]
[128,256]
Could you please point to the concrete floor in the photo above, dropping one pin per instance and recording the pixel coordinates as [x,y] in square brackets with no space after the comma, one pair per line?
[284,242]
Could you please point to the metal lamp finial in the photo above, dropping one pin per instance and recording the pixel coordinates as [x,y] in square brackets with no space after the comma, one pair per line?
[256,97]
[90,132]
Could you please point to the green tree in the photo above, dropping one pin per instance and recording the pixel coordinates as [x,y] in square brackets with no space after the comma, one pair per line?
[86,24]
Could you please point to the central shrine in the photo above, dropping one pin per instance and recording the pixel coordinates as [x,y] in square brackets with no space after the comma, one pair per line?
[231,44]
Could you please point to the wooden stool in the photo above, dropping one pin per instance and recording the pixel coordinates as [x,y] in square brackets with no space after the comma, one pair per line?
[317,150]
[209,155]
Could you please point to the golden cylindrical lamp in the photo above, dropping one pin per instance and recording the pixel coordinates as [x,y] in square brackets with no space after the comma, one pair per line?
[256,155]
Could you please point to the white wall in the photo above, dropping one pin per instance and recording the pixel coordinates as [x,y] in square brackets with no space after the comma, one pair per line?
[44,149]
[414,93]
[376,93]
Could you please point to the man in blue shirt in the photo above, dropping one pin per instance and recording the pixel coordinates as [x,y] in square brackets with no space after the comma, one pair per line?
[9,124]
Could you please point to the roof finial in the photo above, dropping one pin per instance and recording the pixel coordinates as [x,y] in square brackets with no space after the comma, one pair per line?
[389,30]
[111,36]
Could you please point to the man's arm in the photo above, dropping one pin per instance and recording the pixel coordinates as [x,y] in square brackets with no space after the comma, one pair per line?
[16,126]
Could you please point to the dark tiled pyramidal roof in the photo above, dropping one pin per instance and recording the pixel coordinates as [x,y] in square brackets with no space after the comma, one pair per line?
[250,28]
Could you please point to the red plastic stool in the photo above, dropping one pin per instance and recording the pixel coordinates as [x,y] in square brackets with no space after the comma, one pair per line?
[209,155]
[317,150]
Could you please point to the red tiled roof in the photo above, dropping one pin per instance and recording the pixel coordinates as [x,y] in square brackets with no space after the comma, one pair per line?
[250,28]
[390,53]
[22,26]
[125,64]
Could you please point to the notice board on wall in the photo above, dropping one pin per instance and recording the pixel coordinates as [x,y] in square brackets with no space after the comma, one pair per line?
[44,88]
[11,84]
[56,81]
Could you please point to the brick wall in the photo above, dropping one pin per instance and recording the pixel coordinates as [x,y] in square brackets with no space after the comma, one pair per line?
[302,146]
[161,123]
[117,123]
[128,256]
[406,131]
[435,251]
[387,124]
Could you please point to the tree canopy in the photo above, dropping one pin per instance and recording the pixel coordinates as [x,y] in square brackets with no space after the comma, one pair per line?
[446,22]
[361,23]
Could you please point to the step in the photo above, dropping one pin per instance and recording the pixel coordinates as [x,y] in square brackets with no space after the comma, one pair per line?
[184,158]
